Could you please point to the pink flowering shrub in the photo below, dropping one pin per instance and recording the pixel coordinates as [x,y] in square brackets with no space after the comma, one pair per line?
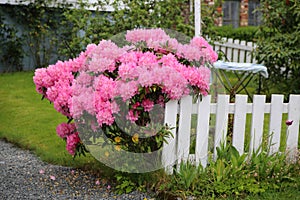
[100,81]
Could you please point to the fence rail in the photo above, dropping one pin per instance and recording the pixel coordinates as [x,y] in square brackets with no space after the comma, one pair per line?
[236,50]
[178,148]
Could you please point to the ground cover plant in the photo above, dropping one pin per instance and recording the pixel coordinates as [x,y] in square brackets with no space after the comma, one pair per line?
[233,176]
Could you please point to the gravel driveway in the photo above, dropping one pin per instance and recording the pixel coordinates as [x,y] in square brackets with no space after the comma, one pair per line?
[24,176]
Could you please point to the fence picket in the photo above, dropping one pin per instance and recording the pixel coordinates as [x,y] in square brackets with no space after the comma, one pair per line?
[184,128]
[223,47]
[293,130]
[257,122]
[239,124]
[169,150]
[201,151]
[221,121]
[229,49]
[236,52]
[242,52]
[275,122]
[248,53]
[178,147]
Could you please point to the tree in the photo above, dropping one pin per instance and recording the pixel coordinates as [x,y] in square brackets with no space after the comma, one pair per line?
[279,45]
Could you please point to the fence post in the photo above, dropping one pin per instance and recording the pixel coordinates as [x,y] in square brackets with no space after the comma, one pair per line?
[239,124]
[203,112]
[257,122]
[221,121]
[184,129]
[275,122]
[169,150]
[293,130]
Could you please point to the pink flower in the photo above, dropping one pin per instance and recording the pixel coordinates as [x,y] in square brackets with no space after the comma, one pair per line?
[126,90]
[65,129]
[42,80]
[147,104]
[127,71]
[52,177]
[147,59]
[97,182]
[72,141]
[130,57]
[132,116]
[289,122]
[104,56]
[42,171]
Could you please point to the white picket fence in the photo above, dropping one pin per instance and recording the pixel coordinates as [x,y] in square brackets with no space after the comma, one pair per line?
[178,148]
[236,50]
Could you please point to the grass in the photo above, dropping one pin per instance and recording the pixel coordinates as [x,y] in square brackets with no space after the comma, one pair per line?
[30,123]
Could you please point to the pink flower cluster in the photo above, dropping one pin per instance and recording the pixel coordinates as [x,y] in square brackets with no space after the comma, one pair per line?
[72,141]
[64,129]
[68,132]
[154,38]
[106,73]
[55,82]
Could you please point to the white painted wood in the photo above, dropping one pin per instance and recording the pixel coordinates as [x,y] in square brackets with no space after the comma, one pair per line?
[236,52]
[169,150]
[229,49]
[234,45]
[275,122]
[293,130]
[184,129]
[224,47]
[202,133]
[248,53]
[217,48]
[257,122]
[242,52]
[197,6]
[240,108]
[221,121]
[239,124]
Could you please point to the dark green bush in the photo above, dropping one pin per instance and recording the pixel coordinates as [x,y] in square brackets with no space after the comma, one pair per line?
[246,33]
[278,45]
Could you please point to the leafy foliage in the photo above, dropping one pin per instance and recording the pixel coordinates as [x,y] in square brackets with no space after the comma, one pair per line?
[232,175]
[58,32]
[278,45]
[38,24]
[85,26]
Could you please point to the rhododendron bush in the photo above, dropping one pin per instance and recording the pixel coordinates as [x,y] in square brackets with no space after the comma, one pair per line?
[120,92]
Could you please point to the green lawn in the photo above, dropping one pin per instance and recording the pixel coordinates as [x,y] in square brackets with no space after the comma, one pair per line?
[31,123]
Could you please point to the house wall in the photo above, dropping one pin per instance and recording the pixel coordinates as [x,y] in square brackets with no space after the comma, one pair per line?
[243,12]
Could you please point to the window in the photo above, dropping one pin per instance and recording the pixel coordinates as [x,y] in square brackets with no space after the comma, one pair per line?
[254,18]
[231,13]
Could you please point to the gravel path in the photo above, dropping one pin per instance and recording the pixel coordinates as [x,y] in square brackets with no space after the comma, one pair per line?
[24,176]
